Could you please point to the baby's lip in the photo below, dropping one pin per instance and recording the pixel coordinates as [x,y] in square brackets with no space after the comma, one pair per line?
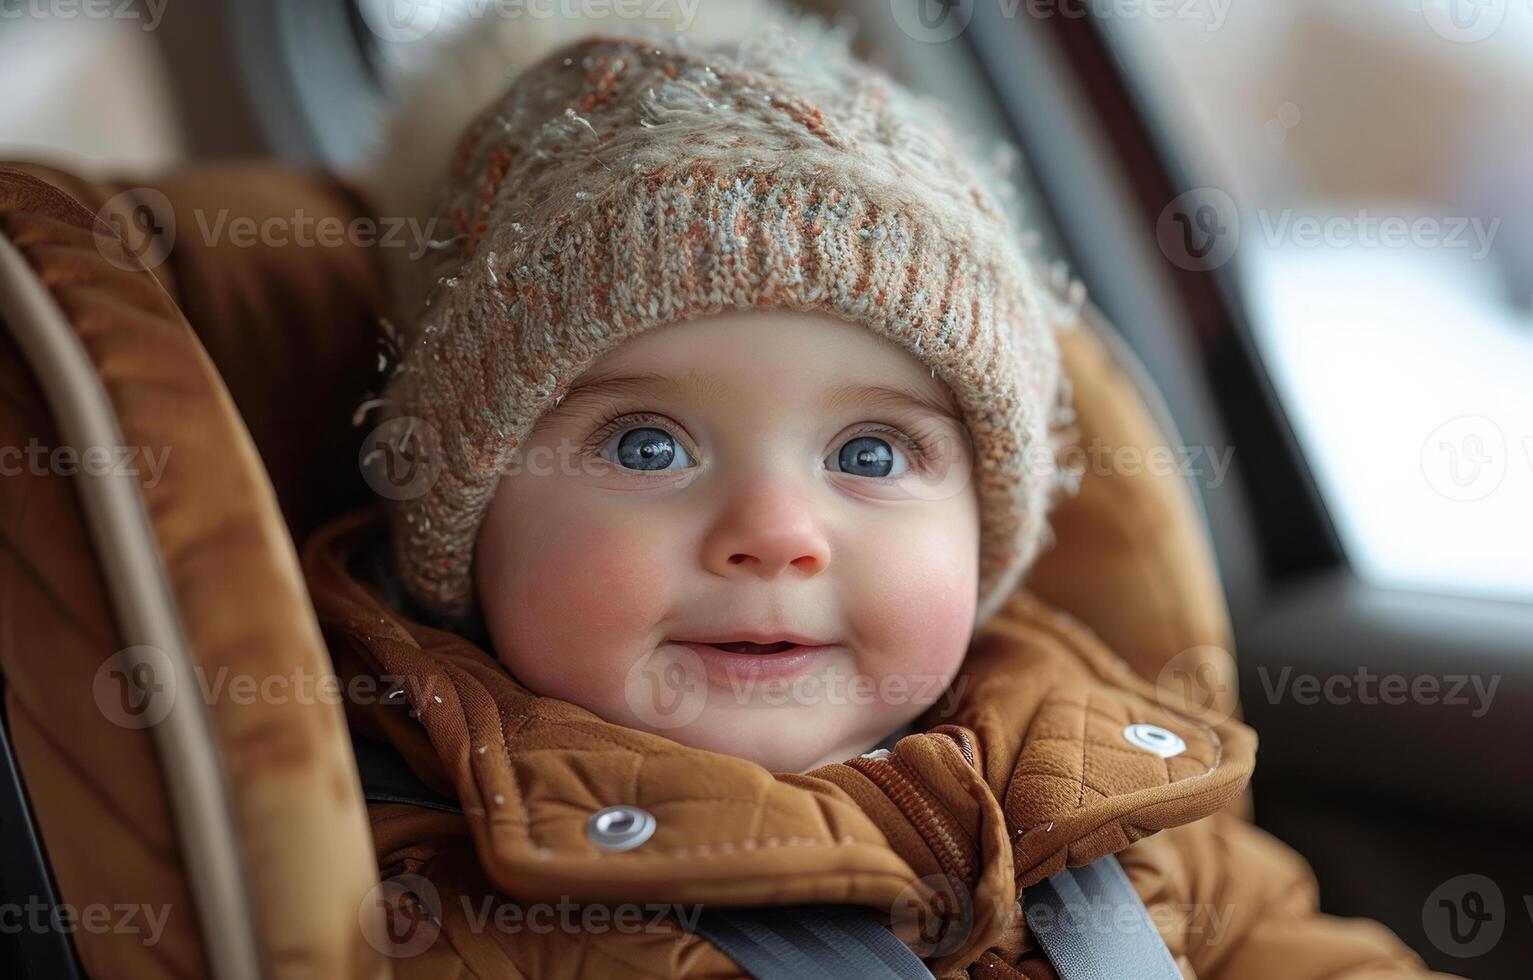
[764,638]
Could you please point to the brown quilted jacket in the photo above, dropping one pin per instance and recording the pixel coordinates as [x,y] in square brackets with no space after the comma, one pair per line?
[1029,771]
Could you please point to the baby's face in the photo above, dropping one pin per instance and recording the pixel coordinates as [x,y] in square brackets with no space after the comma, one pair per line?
[758,476]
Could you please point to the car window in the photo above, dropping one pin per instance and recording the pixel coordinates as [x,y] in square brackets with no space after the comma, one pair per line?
[1362,169]
[97,95]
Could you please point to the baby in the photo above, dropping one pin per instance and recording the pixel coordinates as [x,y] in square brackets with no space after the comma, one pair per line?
[771,504]
[738,379]
[736,404]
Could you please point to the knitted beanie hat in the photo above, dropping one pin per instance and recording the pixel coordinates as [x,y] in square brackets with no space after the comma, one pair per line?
[626,182]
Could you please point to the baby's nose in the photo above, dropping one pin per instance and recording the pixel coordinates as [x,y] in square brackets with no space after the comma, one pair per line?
[767,532]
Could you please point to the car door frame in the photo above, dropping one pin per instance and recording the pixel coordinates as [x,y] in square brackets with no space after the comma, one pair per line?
[1352,785]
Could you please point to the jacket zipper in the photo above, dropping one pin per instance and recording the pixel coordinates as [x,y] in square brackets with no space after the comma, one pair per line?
[943,832]
[961,737]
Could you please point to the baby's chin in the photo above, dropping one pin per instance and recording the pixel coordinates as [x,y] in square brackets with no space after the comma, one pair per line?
[785,739]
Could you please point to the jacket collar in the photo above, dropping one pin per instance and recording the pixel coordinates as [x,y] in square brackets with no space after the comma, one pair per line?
[1037,765]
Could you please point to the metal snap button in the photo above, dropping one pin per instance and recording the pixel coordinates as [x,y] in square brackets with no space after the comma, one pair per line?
[1153,738]
[618,828]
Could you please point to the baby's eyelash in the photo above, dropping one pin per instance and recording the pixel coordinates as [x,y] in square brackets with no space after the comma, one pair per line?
[918,450]
[919,442]
[629,420]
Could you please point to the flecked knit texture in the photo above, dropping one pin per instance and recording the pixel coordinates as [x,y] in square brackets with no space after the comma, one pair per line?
[624,183]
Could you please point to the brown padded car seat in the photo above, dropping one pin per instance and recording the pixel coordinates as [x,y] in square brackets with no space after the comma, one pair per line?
[239,819]
[247,361]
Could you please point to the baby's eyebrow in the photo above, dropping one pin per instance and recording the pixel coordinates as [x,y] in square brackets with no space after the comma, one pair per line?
[693,383]
[609,386]
[701,386]
[890,396]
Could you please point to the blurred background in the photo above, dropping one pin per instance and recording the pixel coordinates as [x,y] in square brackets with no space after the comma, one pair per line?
[1345,116]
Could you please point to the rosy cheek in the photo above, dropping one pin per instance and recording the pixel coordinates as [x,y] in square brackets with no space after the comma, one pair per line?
[578,601]
[918,617]
[596,582]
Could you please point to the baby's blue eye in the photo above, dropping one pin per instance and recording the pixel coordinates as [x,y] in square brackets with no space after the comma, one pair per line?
[869,456]
[648,448]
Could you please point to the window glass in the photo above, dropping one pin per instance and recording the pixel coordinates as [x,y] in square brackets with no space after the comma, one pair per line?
[1363,168]
[97,96]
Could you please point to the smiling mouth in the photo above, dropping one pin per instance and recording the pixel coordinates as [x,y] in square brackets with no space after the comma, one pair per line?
[743,646]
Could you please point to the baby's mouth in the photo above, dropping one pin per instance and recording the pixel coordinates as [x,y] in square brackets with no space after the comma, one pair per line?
[743,646]
[728,662]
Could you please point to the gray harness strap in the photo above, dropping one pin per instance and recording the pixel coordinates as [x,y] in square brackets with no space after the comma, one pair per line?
[1093,926]
[813,942]
[1089,921]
